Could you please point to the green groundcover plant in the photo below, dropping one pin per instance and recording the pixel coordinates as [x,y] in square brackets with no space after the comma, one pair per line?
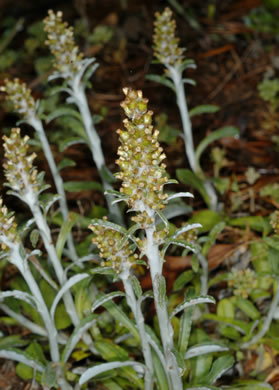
[83,331]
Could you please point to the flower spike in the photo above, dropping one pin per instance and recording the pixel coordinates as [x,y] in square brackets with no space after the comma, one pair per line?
[19,170]
[8,229]
[166,47]
[61,43]
[142,172]
[108,242]
[20,96]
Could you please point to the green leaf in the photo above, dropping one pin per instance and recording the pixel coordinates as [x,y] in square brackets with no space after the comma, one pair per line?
[161,80]
[79,186]
[240,326]
[67,142]
[136,286]
[188,177]
[185,324]
[34,237]
[70,283]
[49,377]
[248,307]
[82,327]
[160,373]
[111,351]
[105,298]
[257,223]
[225,308]
[183,279]
[106,175]
[273,260]
[162,289]
[251,385]
[122,318]
[192,302]
[101,368]
[63,111]
[215,231]
[66,162]
[12,341]
[219,367]
[63,234]
[207,218]
[203,109]
[227,131]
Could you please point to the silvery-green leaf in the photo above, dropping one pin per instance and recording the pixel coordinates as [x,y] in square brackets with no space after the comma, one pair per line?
[108,225]
[66,143]
[226,131]
[180,195]
[81,328]
[105,298]
[219,367]
[187,245]
[101,368]
[204,348]
[189,81]
[161,80]
[70,283]
[136,286]
[191,302]
[63,111]
[24,296]
[34,237]
[203,109]
[161,281]
[22,357]
[186,228]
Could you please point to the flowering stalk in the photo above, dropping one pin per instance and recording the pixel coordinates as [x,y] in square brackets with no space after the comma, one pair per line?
[24,104]
[168,52]
[71,66]
[23,180]
[143,176]
[12,249]
[122,259]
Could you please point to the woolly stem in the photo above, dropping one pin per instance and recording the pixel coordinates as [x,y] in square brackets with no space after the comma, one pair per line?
[37,125]
[95,146]
[176,76]
[136,310]
[166,331]
[23,267]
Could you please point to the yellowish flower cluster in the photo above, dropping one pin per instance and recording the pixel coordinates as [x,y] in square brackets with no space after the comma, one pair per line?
[19,169]
[8,229]
[108,242]
[20,96]
[61,43]
[142,172]
[242,282]
[166,48]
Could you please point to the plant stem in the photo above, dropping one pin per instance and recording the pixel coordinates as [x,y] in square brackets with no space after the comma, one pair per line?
[204,275]
[37,125]
[136,309]
[267,320]
[46,236]
[95,146]
[166,331]
[23,267]
[177,79]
